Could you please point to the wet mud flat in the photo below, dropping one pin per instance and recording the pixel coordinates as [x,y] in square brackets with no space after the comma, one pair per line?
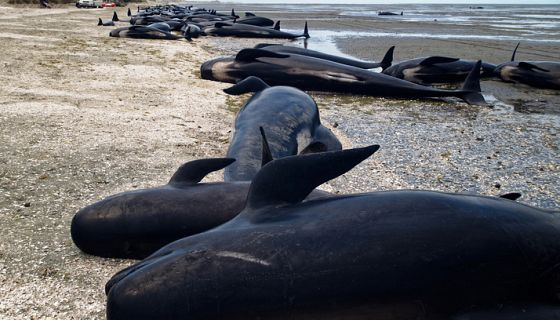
[84,116]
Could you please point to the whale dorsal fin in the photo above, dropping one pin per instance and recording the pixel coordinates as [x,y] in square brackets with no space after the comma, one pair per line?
[248,55]
[277,25]
[249,84]
[511,196]
[530,66]
[437,59]
[289,180]
[196,170]
[100,23]
[387,58]
[115,16]
[515,51]
[266,154]
[250,14]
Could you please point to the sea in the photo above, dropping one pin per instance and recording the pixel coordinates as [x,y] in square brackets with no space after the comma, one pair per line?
[530,23]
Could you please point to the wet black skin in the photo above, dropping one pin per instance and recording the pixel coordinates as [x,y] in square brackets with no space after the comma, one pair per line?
[446,72]
[381,255]
[538,74]
[290,118]
[312,53]
[309,73]
[256,21]
[134,224]
[250,31]
[144,32]
[546,75]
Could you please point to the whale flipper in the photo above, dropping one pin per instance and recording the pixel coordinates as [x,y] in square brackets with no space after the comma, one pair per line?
[289,180]
[194,171]
[249,84]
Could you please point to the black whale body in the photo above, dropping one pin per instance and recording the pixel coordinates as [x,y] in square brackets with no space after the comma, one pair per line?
[538,74]
[310,73]
[381,255]
[146,32]
[225,29]
[134,224]
[292,123]
[278,48]
[437,69]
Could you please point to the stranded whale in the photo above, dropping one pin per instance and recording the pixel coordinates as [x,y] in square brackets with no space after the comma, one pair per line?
[383,255]
[292,123]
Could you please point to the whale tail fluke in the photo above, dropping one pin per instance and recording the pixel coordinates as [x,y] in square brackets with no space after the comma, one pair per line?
[306,31]
[470,92]
[387,59]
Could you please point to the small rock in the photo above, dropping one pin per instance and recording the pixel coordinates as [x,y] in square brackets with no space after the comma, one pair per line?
[27,204]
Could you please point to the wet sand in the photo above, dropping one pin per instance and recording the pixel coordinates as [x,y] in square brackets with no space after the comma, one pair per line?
[84,116]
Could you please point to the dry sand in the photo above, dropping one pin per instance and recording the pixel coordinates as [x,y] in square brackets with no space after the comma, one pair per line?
[84,116]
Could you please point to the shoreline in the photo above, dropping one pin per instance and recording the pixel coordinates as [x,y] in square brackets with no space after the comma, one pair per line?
[84,116]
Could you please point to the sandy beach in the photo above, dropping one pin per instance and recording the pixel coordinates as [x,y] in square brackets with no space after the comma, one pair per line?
[84,116]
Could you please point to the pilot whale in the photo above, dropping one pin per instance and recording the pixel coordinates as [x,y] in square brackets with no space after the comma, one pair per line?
[385,62]
[291,118]
[437,69]
[539,74]
[405,254]
[310,73]
[134,224]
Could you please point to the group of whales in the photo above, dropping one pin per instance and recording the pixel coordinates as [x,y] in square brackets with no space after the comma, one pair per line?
[265,244]
[161,22]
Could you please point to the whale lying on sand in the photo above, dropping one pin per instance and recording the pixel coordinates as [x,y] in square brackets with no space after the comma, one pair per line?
[406,254]
[539,74]
[314,74]
[292,123]
[134,224]
[278,48]
[437,69]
